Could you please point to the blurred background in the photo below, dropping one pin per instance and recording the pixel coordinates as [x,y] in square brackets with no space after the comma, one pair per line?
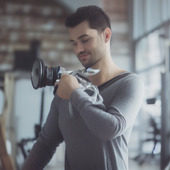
[35,29]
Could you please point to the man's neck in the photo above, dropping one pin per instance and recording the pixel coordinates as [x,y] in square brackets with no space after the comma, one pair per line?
[106,73]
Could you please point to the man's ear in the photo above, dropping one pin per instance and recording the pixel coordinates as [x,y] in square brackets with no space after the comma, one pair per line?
[107,34]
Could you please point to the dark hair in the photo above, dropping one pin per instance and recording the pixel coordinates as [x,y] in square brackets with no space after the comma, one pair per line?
[95,16]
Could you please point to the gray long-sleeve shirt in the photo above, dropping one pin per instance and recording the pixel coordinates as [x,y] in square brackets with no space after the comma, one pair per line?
[95,138]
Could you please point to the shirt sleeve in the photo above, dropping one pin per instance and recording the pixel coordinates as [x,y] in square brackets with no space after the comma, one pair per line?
[50,137]
[119,116]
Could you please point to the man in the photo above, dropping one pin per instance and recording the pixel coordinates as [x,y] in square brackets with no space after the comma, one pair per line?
[96,136]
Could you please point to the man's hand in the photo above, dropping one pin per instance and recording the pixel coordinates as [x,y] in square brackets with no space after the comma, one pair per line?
[66,86]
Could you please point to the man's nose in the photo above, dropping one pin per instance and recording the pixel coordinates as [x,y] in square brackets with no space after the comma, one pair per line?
[80,48]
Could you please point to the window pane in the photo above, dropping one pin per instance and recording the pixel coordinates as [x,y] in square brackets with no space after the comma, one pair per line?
[149,52]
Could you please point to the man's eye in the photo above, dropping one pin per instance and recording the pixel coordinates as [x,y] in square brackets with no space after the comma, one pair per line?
[85,40]
[74,43]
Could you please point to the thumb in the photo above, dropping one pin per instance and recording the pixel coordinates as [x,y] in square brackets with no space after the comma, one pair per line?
[55,87]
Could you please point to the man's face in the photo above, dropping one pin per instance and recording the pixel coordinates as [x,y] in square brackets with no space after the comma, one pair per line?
[87,43]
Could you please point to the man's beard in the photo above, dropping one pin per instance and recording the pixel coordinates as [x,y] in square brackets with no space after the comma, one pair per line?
[91,62]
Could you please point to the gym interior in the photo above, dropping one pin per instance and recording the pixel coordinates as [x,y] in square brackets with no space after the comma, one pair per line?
[35,29]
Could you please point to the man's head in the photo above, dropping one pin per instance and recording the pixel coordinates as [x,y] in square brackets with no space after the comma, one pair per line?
[90,33]
[94,15]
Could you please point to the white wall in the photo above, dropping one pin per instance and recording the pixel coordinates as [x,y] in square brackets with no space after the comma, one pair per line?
[27,105]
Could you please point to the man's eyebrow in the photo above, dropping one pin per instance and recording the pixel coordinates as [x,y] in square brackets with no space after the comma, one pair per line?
[84,35]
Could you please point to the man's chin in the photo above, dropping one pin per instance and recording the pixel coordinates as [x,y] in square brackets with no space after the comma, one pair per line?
[85,65]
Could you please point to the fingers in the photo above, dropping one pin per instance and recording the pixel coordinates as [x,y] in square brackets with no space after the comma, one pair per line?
[66,85]
[56,82]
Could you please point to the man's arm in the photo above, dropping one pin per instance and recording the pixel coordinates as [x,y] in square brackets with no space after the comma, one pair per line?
[119,116]
[45,146]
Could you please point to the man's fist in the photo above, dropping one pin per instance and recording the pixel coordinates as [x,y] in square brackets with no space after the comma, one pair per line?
[66,86]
